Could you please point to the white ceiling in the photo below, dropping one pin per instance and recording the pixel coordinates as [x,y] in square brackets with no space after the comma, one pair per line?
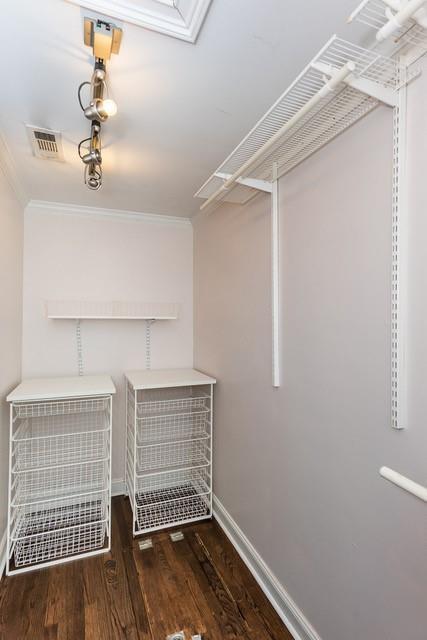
[182,107]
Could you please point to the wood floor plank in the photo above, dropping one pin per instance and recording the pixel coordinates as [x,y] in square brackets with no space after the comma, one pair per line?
[97,613]
[198,585]
[214,622]
[253,604]
[55,606]
[73,592]
[24,606]
[123,545]
[230,611]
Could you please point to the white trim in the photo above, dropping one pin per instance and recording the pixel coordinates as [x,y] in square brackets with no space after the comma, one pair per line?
[118,487]
[3,553]
[46,206]
[7,166]
[180,19]
[288,611]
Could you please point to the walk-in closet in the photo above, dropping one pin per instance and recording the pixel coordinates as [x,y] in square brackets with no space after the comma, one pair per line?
[212,320]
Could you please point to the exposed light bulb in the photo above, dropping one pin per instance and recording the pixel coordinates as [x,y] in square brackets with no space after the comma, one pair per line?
[109,106]
[100,109]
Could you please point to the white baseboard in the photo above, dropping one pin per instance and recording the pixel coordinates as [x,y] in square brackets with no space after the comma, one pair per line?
[288,611]
[118,487]
[3,552]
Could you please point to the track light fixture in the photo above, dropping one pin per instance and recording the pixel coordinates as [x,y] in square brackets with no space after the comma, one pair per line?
[100,109]
[105,39]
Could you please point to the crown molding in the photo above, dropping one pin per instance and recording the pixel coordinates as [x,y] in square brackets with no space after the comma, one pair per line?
[177,18]
[7,166]
[61,208]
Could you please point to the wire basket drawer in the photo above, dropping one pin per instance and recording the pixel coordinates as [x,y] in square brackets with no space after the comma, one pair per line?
[181,454]
[172,401]
[59,425]
[163,429]
[60,543]
[36,453]
[60,407]
[168,498]
[58,528]
[41,484]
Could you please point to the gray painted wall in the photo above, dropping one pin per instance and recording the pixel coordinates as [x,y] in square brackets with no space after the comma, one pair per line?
[297,467]
[11,246]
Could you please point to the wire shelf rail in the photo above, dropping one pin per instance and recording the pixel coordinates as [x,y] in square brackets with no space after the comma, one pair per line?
[341,84]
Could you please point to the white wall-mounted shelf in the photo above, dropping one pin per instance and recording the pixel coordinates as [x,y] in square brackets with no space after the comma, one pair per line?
[110,310]
[341,84]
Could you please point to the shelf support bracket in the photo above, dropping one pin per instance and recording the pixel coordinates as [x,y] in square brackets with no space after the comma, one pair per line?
[253,183]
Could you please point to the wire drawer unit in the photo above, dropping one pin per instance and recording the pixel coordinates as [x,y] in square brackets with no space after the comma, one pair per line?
[168,447]
[59,471]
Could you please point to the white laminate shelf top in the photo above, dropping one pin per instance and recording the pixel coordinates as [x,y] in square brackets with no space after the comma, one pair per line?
[55,388]
[162,378]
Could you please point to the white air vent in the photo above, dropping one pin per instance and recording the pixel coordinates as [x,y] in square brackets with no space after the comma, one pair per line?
[45,143]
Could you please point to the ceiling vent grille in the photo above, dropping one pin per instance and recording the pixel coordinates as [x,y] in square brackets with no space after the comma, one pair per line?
[45,143]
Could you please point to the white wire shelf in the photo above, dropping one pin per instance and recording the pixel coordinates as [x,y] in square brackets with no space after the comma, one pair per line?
[60,543]
[56,426]
[62,450]
[172,429]
[342,83]
[171,498]
[110,310]
[194,453]
[377,14]
[57,408]
[30,520]
[164,403]
[40,485]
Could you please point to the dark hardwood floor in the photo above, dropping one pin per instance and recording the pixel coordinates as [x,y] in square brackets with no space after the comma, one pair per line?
[198,585]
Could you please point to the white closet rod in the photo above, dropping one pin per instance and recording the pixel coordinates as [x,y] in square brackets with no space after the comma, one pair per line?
[414,9]
[405,483]
[398,20]
[336,79]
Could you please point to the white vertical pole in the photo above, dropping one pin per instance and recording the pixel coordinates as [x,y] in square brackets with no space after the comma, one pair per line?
[127,441]
[399,268]
[134,509]
[9,506]
[275,290]
[110,448]
[211,454]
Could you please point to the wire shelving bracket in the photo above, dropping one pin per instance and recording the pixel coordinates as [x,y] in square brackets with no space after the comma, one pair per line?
[342,84]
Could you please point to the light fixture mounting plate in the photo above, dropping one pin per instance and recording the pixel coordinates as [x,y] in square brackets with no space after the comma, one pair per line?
[104,37]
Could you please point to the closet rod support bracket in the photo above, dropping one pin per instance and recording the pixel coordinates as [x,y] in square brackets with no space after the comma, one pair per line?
[253,183]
